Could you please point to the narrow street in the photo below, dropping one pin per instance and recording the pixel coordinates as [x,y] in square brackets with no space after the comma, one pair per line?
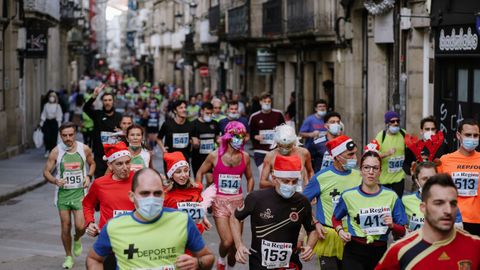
[30,232]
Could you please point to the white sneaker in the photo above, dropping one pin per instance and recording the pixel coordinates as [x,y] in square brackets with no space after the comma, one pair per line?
[46,154]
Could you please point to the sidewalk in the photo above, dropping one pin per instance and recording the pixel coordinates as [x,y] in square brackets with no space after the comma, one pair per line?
[21,173]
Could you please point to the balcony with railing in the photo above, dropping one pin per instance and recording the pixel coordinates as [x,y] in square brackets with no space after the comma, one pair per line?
[238,22]
[49,8]
[272,18]
[300,16]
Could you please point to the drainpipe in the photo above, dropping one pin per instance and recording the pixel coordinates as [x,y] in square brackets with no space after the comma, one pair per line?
[365,136]
[426,68]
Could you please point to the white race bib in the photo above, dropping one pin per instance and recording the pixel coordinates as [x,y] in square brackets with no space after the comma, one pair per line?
[229,183]
[165,267]
[267,136]
[415,223]
[193,209]
[395,164]
[466,182]
[206,146]
[73,179]
[120,212]
[327,160]
[276,254]
[320,140]
[371,220]
[108,137]
[180,140]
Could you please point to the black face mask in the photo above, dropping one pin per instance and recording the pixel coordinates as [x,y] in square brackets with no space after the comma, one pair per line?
[108,111]
[177,185]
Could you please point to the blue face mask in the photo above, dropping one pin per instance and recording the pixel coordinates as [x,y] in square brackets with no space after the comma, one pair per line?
[236,143]
[393,129]
[286,191]
[350,164]
[470,144]
[150,208]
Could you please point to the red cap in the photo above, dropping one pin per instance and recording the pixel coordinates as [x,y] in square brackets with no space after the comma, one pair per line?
[174,161]
[114,151]
[287,166]
[339,145]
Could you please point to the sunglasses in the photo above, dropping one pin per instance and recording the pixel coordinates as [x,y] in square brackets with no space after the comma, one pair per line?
[393,121]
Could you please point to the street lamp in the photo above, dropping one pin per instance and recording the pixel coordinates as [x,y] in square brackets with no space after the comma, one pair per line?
[178,18]
[193,8]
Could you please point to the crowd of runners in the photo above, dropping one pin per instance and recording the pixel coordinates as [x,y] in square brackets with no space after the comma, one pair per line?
[320,194]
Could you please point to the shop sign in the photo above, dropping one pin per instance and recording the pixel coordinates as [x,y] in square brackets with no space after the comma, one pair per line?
[37,43]
[266,61]
[457,40]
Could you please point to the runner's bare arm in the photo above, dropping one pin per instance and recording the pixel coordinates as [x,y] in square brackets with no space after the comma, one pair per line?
[150,163]
[248,173]
[308,166]
[207,165]
[94,261]
[202,259]
[264,182]
[242,251]
[90,161]
[49,166]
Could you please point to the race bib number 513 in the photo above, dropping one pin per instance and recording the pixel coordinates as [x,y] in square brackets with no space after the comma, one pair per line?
[466,182]
[275,254]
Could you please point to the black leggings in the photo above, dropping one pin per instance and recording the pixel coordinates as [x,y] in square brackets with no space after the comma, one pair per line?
[472,228]
[361,257]
[397,187]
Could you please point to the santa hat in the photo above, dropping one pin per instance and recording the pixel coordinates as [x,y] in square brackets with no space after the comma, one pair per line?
[339,145]
[287,166]
[174,161]
[114,151]
[373,146]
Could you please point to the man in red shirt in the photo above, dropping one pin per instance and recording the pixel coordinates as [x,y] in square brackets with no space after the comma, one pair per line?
[438,245]
[111,190]
[262,128]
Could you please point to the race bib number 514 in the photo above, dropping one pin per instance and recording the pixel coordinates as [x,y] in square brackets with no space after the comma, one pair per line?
[229,183]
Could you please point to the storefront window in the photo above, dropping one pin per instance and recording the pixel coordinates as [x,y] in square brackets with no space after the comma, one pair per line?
[476,85]
[462,85]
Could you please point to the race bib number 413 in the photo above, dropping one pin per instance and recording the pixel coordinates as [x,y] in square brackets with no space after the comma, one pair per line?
[371,220]
[276,254]
[466,182]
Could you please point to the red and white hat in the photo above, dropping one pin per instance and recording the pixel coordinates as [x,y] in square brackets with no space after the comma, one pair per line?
[114,151]
[174,161]
[339,145]
[373,146]
[287,166]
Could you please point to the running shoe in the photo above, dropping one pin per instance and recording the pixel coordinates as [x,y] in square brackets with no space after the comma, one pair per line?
[68,264]
[77,248]
[220,264]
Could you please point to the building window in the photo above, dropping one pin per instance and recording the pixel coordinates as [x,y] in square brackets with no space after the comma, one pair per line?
[462,84]
[476,85]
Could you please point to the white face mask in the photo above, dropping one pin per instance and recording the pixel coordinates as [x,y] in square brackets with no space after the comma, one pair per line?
[286,191]
[234,116]
[321,113]
[334,129]
[428,135]
[266,107]
[150,208]
[51,99]
[207,118]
